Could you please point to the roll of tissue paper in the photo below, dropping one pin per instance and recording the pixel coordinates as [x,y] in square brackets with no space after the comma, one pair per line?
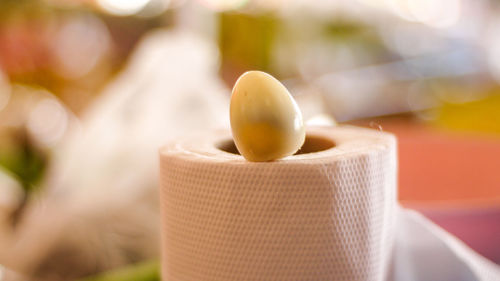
[326,213]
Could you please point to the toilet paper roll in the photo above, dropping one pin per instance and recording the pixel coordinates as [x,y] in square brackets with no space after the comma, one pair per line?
[327,213]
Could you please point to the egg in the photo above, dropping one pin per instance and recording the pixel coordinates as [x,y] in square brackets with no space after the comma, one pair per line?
[266,122]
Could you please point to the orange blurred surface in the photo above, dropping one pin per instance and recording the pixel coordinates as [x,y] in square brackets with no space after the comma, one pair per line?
[445,168]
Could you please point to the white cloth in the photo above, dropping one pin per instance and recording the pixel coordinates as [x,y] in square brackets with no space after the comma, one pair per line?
[425,252]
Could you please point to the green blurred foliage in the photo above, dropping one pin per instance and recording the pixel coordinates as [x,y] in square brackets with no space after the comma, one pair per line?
[24,161]
[147,271]
[360,35]
[343,29]
[246,41]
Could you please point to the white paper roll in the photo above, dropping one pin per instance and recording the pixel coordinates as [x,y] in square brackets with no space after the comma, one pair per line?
[325,215]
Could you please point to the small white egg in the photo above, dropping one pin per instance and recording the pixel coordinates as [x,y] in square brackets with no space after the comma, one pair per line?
[265,120]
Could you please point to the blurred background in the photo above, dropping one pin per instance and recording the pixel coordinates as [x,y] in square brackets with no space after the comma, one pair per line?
[89,89]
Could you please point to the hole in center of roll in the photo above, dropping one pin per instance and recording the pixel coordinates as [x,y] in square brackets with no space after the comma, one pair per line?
[311,144]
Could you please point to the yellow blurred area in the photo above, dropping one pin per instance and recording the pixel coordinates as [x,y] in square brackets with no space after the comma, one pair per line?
[482,116]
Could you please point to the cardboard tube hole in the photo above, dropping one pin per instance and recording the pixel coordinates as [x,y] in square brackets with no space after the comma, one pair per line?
[311,144]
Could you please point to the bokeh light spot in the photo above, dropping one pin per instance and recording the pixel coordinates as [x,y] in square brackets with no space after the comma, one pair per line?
[123,7]
[48,121]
